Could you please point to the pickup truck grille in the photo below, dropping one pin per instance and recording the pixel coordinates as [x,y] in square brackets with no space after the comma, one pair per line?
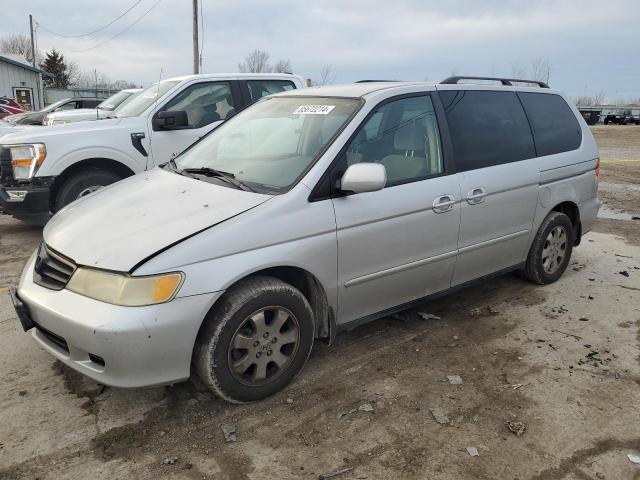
[52,270]
[6,172]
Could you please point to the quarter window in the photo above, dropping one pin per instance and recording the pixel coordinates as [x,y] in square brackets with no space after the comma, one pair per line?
[555,128]
[487,128]
[204,103]
[403,136]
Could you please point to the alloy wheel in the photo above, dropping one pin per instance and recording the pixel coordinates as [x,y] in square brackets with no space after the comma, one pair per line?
[554,249]
[264,346]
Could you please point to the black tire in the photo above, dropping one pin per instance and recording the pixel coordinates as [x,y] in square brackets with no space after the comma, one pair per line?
[74,186]
[215,356]
[535,270]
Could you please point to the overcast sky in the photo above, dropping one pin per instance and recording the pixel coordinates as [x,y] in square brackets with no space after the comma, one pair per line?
[592,45]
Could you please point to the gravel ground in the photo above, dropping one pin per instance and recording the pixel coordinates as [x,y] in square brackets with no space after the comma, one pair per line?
[564,360]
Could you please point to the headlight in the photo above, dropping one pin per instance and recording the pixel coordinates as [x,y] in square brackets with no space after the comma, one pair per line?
[121,289]
[26,159]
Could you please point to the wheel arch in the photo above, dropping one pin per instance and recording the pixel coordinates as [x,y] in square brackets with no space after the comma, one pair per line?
[310,287]
[107,164]
[571,210]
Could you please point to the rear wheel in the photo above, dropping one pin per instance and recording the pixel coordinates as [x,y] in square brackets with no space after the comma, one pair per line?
[82,184]
[551,249]
[255,341]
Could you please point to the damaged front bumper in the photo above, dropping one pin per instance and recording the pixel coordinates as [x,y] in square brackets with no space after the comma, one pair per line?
[115,345]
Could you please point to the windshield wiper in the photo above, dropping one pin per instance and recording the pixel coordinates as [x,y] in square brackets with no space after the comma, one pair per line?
[226,176]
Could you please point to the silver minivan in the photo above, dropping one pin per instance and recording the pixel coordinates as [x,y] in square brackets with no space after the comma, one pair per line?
[308,213]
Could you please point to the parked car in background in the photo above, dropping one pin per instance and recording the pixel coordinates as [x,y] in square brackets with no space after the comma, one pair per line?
[620,117]
[310,212]
[103,110]
[591,115]
[44,169]
[35,118]
[8,106]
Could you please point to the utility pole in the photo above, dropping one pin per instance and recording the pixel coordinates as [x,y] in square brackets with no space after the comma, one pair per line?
[33,45]
[196,59]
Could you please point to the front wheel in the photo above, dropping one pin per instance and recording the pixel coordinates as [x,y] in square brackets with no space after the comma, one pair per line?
[551,250]
[81,184]
[255,341]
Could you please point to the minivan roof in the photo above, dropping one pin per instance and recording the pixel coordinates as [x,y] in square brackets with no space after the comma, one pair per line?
[357,90]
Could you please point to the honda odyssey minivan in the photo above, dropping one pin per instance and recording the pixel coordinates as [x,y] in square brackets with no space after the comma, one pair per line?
[310,212]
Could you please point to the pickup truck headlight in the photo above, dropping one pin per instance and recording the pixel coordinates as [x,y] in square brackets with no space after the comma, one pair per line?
[26,159]
[125,290]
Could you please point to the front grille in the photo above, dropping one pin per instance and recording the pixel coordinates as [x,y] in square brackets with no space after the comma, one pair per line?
[6,172]
[53,338]
[52,270]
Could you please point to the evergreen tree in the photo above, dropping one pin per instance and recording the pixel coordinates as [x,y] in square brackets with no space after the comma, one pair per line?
[55,65]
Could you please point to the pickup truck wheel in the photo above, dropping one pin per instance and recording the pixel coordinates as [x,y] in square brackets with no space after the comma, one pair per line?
[82,184]
[551,250]
[255,341]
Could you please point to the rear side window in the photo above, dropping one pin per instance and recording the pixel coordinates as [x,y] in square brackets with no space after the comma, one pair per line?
[262,88]
[487,128]
[555,128]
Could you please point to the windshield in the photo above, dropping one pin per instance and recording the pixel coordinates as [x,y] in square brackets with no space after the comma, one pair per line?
[269,145]
[145,99]
[114,100]
[53,106]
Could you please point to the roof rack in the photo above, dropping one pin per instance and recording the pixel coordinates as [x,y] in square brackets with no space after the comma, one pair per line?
[504,81]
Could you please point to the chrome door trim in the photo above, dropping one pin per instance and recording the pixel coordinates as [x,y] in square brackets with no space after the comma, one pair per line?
[400,268]
[493,241]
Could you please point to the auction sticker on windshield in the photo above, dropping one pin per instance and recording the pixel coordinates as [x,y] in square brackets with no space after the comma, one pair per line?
[314,109]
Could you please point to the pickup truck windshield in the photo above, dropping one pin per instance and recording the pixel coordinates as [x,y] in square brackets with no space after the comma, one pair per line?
[114,100]
[272,143]
[145,99]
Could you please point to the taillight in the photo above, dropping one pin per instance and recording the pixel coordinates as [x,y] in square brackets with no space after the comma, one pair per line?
[598,167]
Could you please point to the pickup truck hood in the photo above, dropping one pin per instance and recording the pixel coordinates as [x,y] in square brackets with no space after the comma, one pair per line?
[121,225]
[6,128]
[40,134]
[93,113]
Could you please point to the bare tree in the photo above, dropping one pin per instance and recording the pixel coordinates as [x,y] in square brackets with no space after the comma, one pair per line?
[541,69]
[327,75]
[600,98]
[518,71]
[19,45]
[256,62]
[282,66]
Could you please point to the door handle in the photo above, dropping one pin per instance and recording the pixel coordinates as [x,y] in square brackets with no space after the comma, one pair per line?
[444,203]
[476,195]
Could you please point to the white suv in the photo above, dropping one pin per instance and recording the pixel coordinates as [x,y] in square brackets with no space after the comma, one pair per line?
[104,110]
[44,169]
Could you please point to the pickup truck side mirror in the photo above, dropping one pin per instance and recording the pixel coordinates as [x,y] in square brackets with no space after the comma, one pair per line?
[170,120]
[363,177]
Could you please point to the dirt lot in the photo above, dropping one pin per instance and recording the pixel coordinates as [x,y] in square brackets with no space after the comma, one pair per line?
[562,359]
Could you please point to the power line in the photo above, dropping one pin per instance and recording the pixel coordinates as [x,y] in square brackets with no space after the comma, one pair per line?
[121,32]
[94,31]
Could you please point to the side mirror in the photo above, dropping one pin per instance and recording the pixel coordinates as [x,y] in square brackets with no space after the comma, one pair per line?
[170,120]
[364,177]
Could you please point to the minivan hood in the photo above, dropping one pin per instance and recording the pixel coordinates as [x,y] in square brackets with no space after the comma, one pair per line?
[121,225]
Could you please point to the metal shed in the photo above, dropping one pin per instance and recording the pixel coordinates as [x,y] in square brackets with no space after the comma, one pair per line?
[20,80]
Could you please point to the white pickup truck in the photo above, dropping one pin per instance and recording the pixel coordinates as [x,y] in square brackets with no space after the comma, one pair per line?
[104,110]
[44,169]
